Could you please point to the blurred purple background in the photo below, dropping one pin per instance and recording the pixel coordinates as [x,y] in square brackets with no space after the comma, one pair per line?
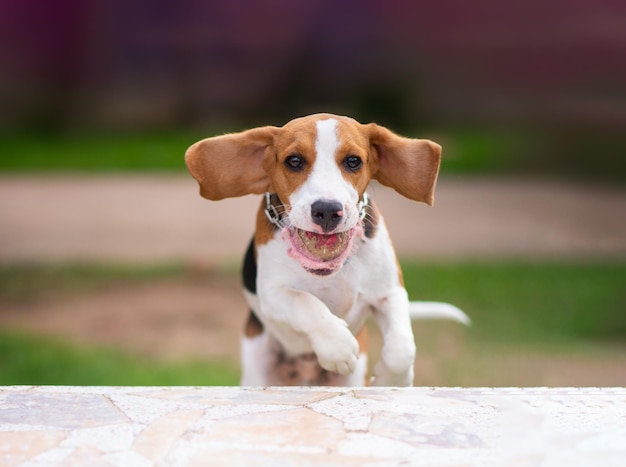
[557,68]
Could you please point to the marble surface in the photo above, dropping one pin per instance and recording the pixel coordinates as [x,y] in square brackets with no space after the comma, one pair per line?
[42,426]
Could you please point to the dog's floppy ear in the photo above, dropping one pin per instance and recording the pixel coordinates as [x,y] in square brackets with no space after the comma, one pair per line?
[231,165]
[409,166]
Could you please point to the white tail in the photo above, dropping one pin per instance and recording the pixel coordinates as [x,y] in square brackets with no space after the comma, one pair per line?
[437,310]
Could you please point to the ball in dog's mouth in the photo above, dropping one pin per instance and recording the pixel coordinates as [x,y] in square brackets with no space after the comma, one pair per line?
[320,254]
[323,247]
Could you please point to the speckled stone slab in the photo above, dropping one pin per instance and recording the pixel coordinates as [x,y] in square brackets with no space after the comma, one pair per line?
[42,426]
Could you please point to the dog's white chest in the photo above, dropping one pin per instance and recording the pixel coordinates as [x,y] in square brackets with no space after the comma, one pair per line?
[340,293]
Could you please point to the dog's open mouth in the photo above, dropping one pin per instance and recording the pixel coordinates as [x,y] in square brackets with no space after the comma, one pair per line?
[320,254]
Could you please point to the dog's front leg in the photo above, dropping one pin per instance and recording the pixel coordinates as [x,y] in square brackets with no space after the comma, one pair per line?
[395,367]
[290,310]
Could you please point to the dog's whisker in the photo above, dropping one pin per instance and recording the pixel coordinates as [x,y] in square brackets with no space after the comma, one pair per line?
[369,217]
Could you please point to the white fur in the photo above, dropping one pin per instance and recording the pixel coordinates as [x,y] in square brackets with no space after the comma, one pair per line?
[255,359]
[325,182]
[308,313]
[256,353]
[437,310]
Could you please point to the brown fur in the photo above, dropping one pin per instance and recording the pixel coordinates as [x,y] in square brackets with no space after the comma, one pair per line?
[362,338]
[251,162]
[231,165]
[409,166]
[254,327]
[296,137]
[264,231]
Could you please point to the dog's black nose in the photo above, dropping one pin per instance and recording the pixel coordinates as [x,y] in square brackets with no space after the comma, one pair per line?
[327,214]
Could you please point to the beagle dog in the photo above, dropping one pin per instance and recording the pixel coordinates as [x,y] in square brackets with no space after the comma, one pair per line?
[321,260]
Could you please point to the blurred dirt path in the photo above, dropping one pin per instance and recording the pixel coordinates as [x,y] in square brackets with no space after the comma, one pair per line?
[156,218]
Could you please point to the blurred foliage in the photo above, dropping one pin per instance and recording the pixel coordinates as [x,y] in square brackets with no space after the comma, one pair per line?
[583,152]
[95,152]
[554,79]
[465,151]
[477,150]
[468,150]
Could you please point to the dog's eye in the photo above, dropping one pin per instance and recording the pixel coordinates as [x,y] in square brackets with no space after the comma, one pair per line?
[295,162]
[352,163]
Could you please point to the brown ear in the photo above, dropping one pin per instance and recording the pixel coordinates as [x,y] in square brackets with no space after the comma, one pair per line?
[409,166]
[231,165]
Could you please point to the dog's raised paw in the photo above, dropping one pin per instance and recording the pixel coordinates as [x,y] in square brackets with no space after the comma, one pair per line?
[339,354]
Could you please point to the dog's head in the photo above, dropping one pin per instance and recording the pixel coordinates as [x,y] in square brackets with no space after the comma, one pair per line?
[319,168]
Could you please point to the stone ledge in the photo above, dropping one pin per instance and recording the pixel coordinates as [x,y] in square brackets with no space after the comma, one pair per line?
[47,425]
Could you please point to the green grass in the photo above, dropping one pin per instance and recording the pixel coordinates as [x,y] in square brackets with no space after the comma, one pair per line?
[530,303]
[28,359]
[36,360]
[531,309]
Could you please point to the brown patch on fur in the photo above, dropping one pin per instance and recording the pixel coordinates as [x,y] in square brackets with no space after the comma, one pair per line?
[353,141]
[254,327]
[400,276]
[231,165]
[362,337]
[302,370]
[264,231]
[295,138]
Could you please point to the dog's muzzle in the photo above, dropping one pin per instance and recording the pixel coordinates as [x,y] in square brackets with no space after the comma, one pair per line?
[322,254]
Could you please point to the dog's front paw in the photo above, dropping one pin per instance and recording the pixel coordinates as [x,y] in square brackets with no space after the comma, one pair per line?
[385,377]
[338,352]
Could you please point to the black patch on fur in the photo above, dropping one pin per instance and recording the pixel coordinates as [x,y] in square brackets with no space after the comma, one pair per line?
[249,271]
[370,222]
